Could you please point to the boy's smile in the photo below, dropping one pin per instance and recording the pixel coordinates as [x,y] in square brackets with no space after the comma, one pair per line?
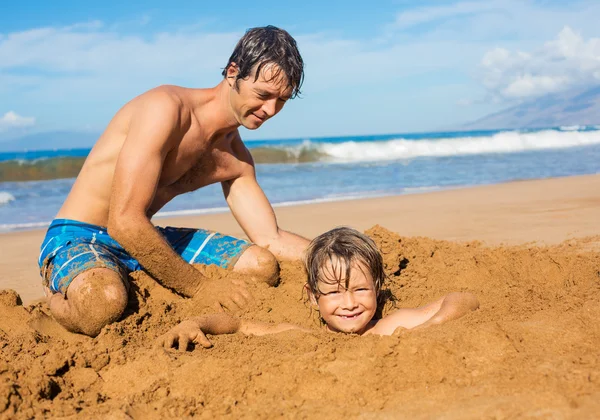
[346,307]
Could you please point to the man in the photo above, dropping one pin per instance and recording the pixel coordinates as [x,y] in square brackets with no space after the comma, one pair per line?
[168,141]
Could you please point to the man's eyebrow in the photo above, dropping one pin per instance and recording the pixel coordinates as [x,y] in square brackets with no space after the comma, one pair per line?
[266,92]
[261,91]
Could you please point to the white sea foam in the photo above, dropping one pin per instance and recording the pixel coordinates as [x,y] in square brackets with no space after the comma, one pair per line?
[22,226]
[329,199]
[6,197]
[572,127]
[503,142]
[421,190]
[197,212]
[192,212]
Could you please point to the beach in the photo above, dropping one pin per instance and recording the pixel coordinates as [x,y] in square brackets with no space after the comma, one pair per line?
[528,249]
[538,211]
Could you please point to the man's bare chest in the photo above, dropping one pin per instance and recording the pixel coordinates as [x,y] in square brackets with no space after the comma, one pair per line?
[189,173]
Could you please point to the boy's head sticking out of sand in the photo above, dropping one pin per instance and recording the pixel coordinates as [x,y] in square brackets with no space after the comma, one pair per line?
[345,276]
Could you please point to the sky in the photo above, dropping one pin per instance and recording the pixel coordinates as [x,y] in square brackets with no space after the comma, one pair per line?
[371,67]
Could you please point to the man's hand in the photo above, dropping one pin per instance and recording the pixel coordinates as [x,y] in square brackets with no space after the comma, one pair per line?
[224,293]
[182,334]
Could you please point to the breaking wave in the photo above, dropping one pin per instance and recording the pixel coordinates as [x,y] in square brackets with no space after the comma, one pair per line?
[572,127]
[6,197]
[351,150]
[398,149]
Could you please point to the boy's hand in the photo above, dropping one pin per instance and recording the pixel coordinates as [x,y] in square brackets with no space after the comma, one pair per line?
[182,334]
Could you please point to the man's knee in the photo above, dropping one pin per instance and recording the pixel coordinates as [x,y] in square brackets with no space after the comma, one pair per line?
[95,298]
[260,264]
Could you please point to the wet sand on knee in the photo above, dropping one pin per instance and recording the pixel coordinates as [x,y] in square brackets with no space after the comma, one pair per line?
[529,250]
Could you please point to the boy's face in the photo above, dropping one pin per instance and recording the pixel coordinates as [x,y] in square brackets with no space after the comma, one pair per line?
[347,310]
[254,102]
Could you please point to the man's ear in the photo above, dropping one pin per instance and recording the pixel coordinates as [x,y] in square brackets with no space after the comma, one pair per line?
[232,71]
[311,296]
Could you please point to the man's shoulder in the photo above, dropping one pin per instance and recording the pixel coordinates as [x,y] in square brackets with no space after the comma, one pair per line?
[164,103]
[165,96]
[241,151]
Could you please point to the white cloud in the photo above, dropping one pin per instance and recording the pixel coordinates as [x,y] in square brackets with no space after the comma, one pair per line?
[514,22]
[86,48]
[567,61]
[93,61]
[12,120]
[527,85]
[414,17]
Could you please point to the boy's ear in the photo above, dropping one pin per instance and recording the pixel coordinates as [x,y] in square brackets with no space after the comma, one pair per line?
[311,296]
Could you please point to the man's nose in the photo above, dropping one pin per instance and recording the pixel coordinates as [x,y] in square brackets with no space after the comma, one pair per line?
[270,107]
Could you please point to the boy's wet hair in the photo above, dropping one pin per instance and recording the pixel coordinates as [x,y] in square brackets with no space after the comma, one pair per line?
[342,246]
[264,46]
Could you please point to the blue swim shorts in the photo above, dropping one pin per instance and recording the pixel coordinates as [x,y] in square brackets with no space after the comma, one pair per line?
[71,247]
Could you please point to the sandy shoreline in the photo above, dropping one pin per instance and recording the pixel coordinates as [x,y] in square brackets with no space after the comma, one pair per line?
[545,211]
[531,350]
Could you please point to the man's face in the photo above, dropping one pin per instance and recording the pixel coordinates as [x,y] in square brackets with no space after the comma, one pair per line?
[254,102]
[348,309]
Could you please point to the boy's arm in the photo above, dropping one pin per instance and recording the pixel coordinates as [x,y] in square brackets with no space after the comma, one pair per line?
[195,329]
[454,306]
[451,306]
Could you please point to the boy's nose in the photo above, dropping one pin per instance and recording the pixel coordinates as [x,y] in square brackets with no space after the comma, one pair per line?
[349,302]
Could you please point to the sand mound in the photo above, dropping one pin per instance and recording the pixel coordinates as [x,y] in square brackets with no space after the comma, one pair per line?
[532,348]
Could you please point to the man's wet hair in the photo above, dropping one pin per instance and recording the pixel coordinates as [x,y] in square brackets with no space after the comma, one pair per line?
[342,247]
[264,46]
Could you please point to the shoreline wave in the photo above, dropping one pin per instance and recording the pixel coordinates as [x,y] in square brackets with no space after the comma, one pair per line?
[7,227]
[345,150]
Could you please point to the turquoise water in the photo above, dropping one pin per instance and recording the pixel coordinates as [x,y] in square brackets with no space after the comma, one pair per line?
[322,169]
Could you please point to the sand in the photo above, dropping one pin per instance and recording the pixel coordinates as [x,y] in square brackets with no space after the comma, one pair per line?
[528,250]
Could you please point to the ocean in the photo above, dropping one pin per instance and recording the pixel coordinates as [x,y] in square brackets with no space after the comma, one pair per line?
[33,184]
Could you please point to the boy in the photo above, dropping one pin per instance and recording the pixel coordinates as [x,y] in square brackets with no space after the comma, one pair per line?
[345,275]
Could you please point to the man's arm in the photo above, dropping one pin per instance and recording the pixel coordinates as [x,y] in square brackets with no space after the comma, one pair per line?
[194,330]
[255,215]
[451,306]
[153,133]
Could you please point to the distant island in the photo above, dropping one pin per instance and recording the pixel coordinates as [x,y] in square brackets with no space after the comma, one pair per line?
[580,107]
